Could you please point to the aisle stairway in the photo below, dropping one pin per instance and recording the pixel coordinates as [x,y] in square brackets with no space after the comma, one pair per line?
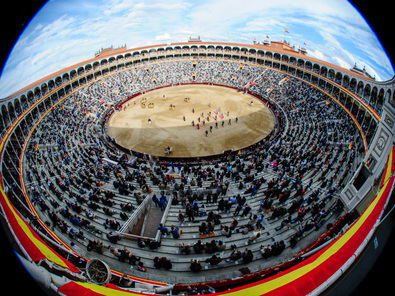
[151,221]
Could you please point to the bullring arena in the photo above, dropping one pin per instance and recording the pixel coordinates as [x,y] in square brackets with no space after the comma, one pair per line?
[194,120]
[277,192]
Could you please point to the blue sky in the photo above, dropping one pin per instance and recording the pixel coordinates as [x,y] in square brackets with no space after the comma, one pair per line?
[65,32]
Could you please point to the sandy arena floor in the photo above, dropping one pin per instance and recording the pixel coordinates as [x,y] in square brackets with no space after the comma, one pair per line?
[131,127]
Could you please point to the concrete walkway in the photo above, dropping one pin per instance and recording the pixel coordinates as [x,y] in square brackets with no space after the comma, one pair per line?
[151,222]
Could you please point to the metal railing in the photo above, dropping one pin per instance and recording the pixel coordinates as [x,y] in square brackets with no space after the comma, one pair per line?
[134,218]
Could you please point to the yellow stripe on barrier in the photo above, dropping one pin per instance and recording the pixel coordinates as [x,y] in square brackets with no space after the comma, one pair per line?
[43,248]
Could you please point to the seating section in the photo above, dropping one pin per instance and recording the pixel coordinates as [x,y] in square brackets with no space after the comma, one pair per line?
[253,209]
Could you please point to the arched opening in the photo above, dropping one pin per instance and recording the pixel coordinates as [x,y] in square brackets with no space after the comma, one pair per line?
[360,88]
[373,96]
[37,93]
[353,84]
[324,71]
[329,87]
[88,68]
[18,108]
[307,76]
[73,74]
[346,81]
[44,88]
[380,101]
[66,77]
[30,97]
[24,104]
[96,65]
[54,98]
[388,95]
[4,114]
[2,127]
[366,92]
[331,74]
[51,85]
[58,81]
[11,111]
[338,77]
[80,71]
[41,107]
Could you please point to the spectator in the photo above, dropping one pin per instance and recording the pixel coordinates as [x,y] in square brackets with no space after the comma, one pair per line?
[155,200]
[198,247]
[195,266]
[176,232]
[247,256]
[214,260]
[163,229]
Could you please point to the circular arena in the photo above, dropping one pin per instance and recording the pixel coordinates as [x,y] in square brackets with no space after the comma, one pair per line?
[190,121]
[196,168]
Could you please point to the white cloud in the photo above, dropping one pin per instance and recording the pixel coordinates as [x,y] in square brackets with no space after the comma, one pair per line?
[116,6]
[163,37]
[334,31]
[262,24]
[317,54]
[342,63]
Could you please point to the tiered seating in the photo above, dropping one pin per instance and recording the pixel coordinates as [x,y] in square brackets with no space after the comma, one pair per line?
[288,180]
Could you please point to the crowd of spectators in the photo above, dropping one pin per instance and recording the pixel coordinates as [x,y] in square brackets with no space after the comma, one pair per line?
[295,171]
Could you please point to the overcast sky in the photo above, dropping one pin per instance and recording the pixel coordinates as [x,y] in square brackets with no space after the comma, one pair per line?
[65,32]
